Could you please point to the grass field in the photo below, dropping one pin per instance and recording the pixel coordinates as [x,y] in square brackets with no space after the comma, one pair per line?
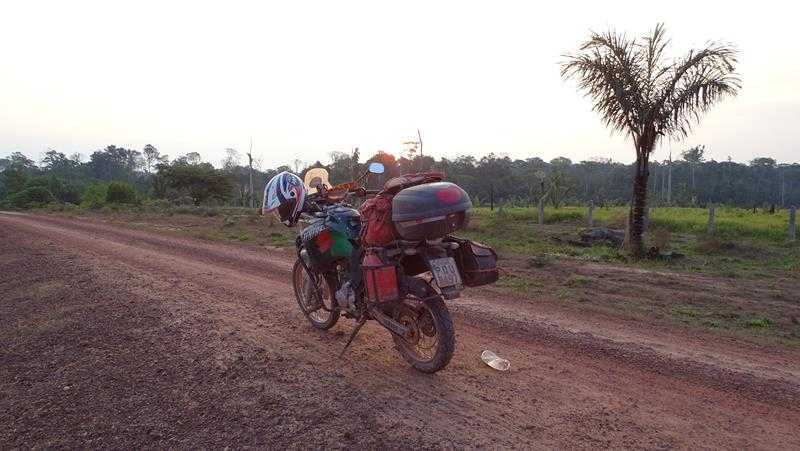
[731,222]
[745,243]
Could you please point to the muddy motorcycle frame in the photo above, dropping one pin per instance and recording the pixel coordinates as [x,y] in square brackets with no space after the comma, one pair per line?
[418,320]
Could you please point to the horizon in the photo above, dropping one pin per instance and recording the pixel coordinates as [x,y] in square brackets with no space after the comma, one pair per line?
[474,80]
[676,157]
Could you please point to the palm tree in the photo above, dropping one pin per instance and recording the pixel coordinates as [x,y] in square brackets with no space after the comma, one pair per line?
[639,92]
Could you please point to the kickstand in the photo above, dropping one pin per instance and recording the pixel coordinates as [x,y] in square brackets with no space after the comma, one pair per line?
[354,333]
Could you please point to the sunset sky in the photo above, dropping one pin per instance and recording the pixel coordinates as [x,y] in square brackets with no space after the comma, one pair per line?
[306,78]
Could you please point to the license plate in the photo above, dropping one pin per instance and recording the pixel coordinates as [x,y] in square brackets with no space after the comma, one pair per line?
[445,272]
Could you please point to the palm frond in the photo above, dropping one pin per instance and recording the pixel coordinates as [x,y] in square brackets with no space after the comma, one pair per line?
[697,82]
[636,92]
[608,70]
[656,43]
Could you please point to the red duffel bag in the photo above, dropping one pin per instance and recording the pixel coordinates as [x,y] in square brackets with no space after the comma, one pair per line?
[377,228]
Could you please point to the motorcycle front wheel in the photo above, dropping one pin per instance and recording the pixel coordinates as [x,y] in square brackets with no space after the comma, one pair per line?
[317,303]
[431,341]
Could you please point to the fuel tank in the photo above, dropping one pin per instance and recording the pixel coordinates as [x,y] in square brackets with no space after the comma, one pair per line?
[329,238]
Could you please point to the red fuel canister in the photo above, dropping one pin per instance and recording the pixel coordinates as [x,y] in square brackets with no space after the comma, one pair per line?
[380,278]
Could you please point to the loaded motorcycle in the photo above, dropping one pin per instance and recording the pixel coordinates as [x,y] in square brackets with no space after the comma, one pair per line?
[409,262]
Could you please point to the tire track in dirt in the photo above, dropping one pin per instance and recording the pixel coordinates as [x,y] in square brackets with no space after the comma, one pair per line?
[231,303]
[510,318]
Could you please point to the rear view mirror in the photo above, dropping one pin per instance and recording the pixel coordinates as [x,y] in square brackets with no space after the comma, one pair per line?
[376,168]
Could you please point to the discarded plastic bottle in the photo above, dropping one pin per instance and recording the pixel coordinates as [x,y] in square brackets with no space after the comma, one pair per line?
[495,361]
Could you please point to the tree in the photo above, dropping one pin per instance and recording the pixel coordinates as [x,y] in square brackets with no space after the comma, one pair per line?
[57,164]
[640,93]
[340,168]
[354,169]
[53,160]
[557,188]
[298,165]
[19,159]
[231,160]
[159,182]
[200,181]
[190,158]
[14,178]
[152,157]
[115,163]
[694,156]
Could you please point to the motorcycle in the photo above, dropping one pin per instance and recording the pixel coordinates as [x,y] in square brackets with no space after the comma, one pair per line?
[404,282]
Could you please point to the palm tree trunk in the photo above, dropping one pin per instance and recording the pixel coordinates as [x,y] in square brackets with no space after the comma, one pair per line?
[636,221]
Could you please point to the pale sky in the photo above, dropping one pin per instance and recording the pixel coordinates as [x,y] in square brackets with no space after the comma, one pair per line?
[306,78]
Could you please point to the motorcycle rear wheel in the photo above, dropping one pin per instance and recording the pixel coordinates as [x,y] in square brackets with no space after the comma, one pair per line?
[323,316]
[431,342]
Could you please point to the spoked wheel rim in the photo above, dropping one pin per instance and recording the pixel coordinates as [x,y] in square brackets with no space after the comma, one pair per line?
[319,313]
[422,340]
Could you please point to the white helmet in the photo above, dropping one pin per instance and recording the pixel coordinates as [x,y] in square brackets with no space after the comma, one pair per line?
[284,197]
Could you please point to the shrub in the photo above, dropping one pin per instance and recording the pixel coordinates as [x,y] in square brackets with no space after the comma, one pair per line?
[712,244]
[31,197]
[618,222]
[70,194]
[120,193]
[557,216]
[158,205]
[61,190]
[660,237]
[94,196]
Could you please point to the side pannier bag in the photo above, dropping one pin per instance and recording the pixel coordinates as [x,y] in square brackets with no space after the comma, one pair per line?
[476,262]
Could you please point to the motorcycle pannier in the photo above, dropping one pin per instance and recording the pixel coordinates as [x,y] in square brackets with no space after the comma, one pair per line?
[476,262]
[430,211]
[380,278]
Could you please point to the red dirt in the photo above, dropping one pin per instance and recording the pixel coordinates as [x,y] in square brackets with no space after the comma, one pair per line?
[113,338]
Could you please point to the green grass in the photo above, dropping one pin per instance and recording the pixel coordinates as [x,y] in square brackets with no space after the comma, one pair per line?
[730,222]
[744,245]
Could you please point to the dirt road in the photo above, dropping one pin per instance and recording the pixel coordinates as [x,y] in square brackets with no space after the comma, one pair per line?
[111,337]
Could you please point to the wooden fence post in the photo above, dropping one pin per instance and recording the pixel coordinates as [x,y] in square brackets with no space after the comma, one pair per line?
[712,220]
[541,211]
[590,214]
[792,223]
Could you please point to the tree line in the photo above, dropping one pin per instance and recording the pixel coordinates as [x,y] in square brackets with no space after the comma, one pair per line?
[132,175]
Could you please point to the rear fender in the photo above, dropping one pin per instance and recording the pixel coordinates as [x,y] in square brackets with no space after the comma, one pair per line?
[418,287]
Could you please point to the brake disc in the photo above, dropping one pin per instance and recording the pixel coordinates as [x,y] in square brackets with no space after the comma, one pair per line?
[426,324]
